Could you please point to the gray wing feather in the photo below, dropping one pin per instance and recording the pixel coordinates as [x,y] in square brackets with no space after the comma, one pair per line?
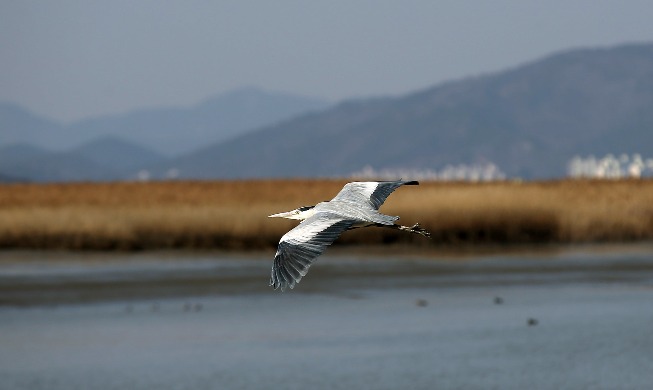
[302,245]
[370,192]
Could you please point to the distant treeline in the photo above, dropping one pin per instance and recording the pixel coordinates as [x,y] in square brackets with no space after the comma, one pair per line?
[232,215]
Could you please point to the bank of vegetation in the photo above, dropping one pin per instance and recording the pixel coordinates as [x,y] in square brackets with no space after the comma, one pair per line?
[231,215]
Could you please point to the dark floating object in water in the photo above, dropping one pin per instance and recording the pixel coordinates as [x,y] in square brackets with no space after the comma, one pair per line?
[532,321]
[198,307]
[498,300]
[421,302]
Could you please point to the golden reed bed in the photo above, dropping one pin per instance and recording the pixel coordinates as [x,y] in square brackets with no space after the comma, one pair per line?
[232,214]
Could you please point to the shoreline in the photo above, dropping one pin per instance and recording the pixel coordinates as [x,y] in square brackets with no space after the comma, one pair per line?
[29,278]
[348,250]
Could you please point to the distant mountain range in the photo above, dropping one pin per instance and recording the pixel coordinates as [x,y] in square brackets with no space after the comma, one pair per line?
[529,120]
[170,131]
[117,147]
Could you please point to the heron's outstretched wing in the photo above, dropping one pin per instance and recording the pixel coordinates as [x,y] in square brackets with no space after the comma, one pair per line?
[302,245]
[373,193]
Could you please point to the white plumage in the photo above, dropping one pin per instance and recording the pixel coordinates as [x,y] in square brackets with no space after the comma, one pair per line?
[356,205]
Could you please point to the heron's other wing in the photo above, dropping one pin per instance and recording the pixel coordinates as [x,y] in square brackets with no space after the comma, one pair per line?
[302,245]
[373,193]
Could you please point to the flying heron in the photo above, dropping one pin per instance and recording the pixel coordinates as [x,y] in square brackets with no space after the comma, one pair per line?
[355,206]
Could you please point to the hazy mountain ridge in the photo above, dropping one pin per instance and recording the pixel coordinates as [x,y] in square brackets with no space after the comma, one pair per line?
[530,120]
[54,166]
[18,125]
[120,155]
[176,130]
[118,146]
[106,158]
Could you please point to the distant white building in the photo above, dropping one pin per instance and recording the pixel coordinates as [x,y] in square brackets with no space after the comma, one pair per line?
[143,175]
[462,172]
[172,173]
[610,167]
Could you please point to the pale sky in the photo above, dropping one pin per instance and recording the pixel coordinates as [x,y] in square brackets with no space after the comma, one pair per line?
[70,60]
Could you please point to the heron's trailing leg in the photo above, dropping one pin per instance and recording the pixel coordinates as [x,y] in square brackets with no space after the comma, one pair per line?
[412,229]
[415,229]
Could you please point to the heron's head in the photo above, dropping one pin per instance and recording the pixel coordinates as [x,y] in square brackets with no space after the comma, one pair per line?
[300,213]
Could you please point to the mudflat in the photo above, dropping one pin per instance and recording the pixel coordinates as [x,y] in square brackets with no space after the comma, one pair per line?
[573,318]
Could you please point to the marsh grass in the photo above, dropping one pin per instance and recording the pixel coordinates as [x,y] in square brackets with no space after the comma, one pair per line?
[233,214]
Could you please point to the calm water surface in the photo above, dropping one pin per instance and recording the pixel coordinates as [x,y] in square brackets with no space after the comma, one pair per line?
[574,318]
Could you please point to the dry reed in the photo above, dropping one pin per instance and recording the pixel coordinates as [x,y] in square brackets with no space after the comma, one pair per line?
[232,214]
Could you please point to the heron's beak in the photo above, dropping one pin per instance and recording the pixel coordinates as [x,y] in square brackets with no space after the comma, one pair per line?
[287,214]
